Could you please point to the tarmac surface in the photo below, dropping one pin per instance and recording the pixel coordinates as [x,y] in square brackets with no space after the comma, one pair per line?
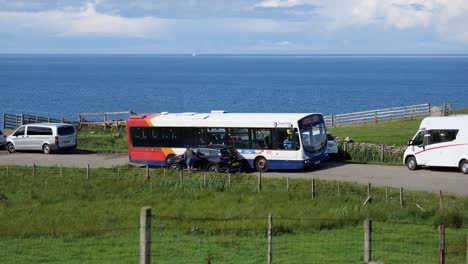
[449,180]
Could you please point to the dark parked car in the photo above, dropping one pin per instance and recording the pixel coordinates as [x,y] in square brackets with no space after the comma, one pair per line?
[2,140]
[215,158]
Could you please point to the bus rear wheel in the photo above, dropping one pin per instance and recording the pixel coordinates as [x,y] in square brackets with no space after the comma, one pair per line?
[464,166]
[261,164]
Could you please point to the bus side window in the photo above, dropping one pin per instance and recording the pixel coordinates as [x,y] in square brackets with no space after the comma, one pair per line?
[262,138]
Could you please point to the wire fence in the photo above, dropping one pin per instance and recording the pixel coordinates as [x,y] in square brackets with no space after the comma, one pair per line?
[178,239]
[41,179]
[197,240]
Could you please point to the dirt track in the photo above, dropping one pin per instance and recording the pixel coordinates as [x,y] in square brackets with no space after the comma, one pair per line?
[447,180]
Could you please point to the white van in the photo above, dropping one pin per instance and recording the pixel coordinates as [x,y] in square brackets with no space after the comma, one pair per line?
[46,137]
[440,141]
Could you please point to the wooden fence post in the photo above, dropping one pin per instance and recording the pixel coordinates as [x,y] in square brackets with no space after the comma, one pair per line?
[147,175]
[87,172]
[382,153]
[34,170]
[338,183]
[229,180]
[270,239]
[287,183]
[313,188]
[386,194]
[61,171]
[369,195]
[204,179]
[441,230]
[441,201]
[367,240]
[259,184]
[401,197]
[145,235]
[7,171]
[181,175]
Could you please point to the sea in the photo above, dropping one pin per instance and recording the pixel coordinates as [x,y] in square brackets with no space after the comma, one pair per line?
[63,85]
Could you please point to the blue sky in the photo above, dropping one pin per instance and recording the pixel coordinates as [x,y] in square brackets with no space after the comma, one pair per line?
[235,26]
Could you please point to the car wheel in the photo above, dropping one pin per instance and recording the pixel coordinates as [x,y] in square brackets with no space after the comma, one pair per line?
[46,149]
[11,148]
[464,166]
[175,166]
[170,156]
[213,168]
[261,164]
[411,163]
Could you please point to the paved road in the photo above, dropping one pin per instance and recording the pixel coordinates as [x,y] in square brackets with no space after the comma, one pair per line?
[75,159]
[434,179]
[447,180]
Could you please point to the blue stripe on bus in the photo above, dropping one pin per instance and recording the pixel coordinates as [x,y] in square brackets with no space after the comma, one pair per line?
[289,164]
[149,162]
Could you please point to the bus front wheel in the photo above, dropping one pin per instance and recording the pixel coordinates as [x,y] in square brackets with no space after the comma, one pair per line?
[261,164]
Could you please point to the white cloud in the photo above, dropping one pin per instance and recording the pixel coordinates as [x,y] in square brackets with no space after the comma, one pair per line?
[265,25]
[85,21]
[279,3]
[447,17]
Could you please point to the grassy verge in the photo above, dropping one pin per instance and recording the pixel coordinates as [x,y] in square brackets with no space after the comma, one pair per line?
[102,140]
[75,219]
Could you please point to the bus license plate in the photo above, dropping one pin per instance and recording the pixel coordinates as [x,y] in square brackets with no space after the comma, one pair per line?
[317,162]
[235,164]
[66,142]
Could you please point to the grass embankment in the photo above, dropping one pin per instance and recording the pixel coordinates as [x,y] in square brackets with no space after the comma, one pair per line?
[102,140]
[72,219]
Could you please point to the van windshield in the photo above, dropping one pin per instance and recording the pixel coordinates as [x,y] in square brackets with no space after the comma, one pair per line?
[66,130]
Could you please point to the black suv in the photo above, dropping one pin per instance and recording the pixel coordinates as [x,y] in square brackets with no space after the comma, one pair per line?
[215,158]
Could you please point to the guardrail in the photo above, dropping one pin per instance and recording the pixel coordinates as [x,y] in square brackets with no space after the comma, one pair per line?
[104,118]
[379,114]
[12,121]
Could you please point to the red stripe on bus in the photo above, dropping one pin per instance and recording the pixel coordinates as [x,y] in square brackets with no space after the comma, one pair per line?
[448,146]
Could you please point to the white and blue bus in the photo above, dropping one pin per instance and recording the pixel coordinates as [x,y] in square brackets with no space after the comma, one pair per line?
[267,141]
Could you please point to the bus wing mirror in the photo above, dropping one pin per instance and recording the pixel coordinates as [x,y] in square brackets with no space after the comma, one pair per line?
[410,142]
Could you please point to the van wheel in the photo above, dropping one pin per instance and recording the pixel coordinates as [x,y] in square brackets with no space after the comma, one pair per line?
[10,148]
[175,166]
[411,163]
[464,166]
[213,168]
[261,164]
[46,149]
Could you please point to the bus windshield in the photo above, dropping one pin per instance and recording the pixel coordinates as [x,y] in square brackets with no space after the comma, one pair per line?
[313,135]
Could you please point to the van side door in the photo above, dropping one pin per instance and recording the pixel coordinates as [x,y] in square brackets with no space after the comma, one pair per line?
[38,136]
[440,148]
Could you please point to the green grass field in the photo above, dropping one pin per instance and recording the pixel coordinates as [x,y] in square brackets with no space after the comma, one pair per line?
[102,140]
[393,132]
[69,218]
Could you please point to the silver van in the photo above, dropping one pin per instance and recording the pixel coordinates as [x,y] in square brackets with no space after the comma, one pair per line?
[46,137]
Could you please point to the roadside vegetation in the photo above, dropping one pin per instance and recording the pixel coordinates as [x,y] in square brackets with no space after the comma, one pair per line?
[98,139]
[71,217]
